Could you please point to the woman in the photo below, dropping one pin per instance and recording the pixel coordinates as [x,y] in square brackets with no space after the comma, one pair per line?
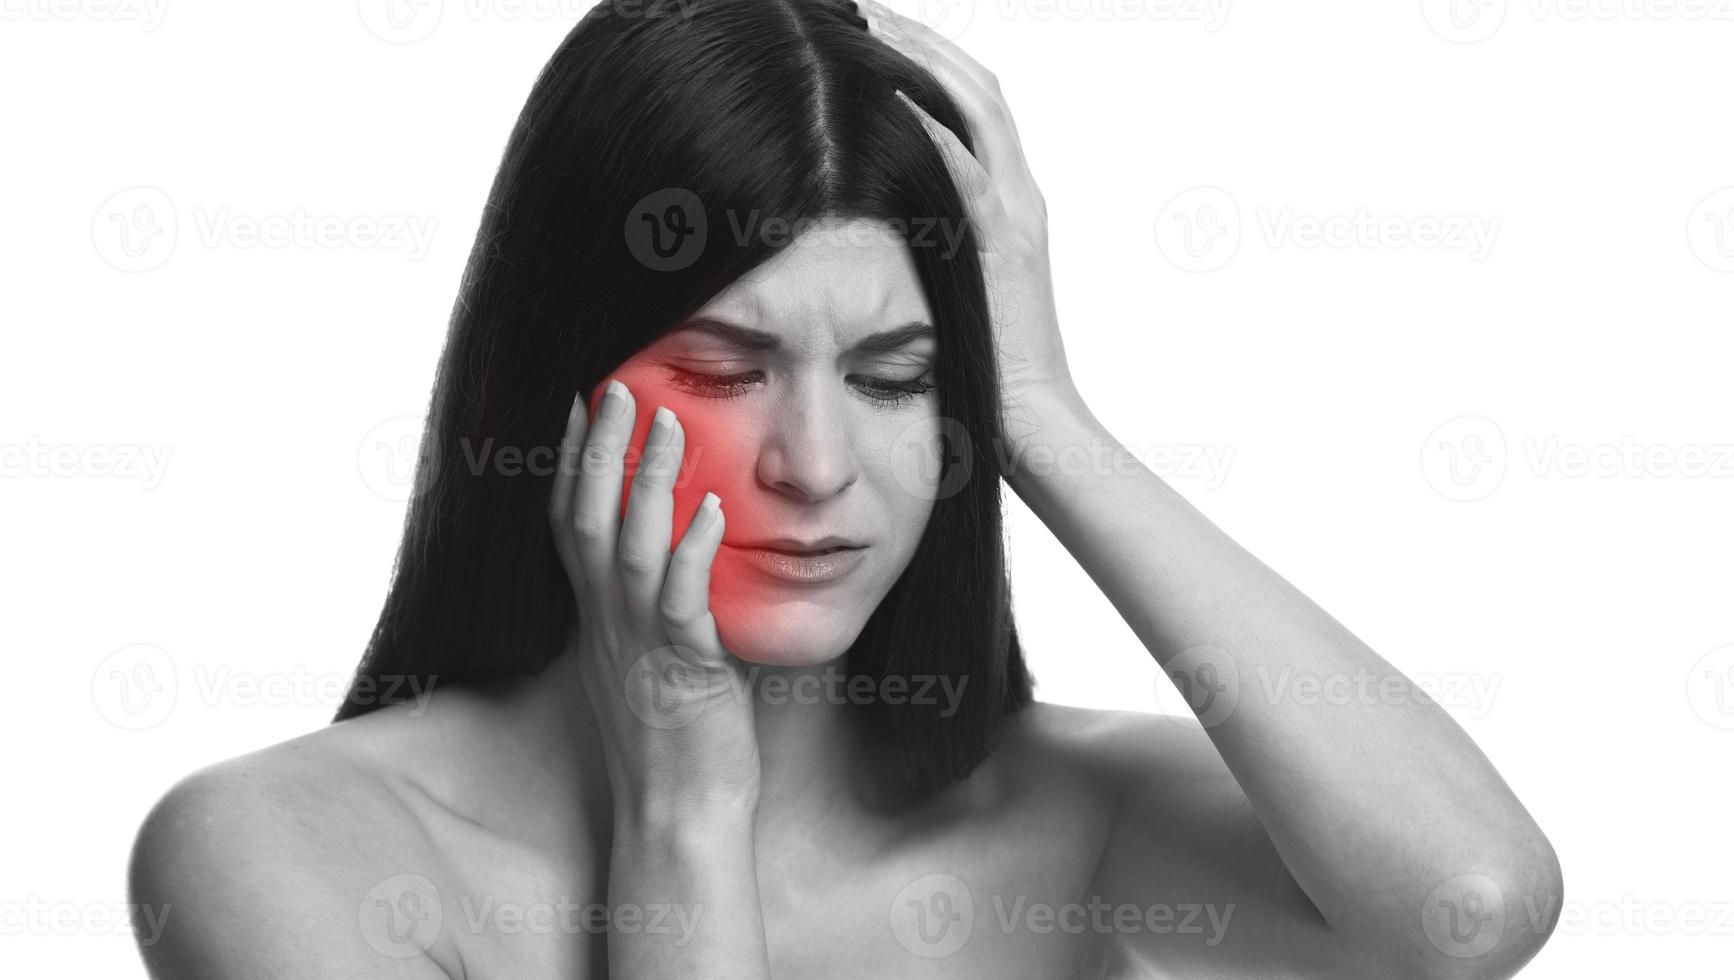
[704,573]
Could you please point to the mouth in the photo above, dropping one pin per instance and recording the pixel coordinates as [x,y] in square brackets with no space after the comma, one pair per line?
[803,562]
[803,549]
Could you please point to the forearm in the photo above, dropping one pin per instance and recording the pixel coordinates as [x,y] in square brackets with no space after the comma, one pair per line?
[1371,802]
[698,873]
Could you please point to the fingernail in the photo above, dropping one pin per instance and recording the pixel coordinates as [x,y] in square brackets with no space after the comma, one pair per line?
[614,400]
[710,509]
[661,426]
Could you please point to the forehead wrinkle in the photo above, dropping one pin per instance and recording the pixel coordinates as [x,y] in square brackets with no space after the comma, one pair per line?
[826,294]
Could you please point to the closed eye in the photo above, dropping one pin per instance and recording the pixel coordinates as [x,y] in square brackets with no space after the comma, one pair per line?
[893,391]
[714,385]
[884,392]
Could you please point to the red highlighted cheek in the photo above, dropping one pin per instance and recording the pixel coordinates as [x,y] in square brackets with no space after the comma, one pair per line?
[717,458]
[691,482]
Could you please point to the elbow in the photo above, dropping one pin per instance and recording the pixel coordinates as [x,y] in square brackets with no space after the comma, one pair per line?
[1488,922]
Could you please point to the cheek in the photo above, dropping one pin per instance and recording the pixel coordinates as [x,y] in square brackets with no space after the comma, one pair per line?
[918,462]
[717,458]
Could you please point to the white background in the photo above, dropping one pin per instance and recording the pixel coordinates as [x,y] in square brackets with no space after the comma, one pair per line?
[1570,600]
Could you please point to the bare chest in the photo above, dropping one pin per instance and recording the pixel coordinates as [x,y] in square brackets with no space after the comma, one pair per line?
[994,900]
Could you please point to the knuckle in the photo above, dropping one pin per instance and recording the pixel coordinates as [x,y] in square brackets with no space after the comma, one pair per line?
[678,615]
[596,458]
[636,562]
[586,532]
[651,473]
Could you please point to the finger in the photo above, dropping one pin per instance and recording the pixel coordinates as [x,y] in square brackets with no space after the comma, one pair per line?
[973,182]
[975,90]
[596,503]
[967,172]
[685,604]
[642,558]
[560,499]
[928,48]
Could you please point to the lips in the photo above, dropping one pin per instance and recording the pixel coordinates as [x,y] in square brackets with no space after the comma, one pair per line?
[803,549]
[803,562]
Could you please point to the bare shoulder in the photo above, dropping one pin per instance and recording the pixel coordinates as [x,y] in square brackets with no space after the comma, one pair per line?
[1183,848]
[1172,813]
[1111,750]
[1161,774]
[263,865]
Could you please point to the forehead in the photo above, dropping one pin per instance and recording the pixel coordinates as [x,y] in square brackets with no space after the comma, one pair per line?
[837,281]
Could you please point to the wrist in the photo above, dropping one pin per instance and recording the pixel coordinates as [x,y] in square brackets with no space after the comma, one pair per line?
[689,838]
[1049,428]
[684,819]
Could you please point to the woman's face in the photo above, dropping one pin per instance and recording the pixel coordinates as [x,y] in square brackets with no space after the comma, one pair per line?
[805,390]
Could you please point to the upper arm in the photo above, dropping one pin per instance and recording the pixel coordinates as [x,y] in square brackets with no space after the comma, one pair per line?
[1190,871]
[235,874]
[1187,849]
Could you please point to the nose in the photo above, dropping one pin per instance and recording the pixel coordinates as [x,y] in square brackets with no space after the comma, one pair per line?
[808,453]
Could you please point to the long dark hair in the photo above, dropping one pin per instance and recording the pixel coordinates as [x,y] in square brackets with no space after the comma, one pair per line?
[723,110]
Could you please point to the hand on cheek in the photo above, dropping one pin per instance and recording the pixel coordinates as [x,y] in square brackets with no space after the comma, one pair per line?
[705,465]
[687,492]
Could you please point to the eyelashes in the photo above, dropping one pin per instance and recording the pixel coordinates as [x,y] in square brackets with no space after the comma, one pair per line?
[883,392]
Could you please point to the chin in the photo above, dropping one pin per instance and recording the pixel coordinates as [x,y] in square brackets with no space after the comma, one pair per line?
[792,633]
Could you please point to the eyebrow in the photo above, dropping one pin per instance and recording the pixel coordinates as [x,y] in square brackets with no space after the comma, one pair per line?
[747,338]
